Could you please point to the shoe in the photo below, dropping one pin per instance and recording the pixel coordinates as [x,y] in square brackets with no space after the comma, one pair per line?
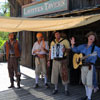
[18,87]
[84,98]
[96,89]
[46,86]
[54,92]
[67,93]
[11,86]
[36,86]
[89,99]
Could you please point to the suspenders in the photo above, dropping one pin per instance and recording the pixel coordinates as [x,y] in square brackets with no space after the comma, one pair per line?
[59,41]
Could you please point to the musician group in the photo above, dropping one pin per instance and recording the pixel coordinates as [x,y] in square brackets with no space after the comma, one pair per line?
[58,53]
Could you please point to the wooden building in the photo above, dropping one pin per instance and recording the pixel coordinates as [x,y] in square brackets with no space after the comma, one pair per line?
[67,8]
[53,9]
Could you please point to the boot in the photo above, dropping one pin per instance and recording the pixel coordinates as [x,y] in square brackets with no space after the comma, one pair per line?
[12,86]
[12,83]
[18,85]
[18,82]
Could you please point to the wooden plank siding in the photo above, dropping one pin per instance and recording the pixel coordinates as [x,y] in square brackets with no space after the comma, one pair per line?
[28,38]
[26,45]
[82,4]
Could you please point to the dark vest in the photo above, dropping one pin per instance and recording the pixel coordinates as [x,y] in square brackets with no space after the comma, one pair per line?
[16,49]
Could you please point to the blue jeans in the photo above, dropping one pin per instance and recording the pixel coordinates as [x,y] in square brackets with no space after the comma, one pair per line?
[94,78]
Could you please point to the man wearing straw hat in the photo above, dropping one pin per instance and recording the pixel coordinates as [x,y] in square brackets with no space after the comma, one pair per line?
[40,50]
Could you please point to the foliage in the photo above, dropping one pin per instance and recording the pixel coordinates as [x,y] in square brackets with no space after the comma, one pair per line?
[3,38]
[4,35]
[5,9]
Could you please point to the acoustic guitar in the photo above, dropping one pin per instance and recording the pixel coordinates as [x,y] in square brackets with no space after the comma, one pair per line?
[78,58]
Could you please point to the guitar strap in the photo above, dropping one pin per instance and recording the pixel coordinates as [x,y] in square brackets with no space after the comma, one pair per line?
[59,41]
[92,52]
[93,48]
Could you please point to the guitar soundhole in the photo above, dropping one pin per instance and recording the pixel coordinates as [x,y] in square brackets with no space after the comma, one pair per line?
[78,60]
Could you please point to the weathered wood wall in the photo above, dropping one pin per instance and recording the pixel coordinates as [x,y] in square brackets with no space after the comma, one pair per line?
[81,4]
[27,38]
[16,5]
[26,45]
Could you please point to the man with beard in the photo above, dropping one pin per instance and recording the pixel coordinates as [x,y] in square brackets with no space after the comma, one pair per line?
[60,65]
[13,53]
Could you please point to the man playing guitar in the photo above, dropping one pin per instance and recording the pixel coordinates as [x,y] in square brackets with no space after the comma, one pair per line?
[88,66]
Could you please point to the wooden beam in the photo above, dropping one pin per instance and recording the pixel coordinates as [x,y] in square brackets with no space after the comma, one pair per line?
[11,3]
[21,2]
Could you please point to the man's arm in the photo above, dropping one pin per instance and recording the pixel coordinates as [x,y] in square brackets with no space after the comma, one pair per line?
[66,48]
[34,51]
[20,50]
[49,58]
[46,48]
[98,52]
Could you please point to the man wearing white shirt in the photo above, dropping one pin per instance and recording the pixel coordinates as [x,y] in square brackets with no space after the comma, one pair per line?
[40,50]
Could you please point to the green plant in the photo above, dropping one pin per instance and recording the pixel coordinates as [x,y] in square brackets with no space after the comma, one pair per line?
[3,38]
[5,9]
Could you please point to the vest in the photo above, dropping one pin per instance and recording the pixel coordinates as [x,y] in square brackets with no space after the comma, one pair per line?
[16,49]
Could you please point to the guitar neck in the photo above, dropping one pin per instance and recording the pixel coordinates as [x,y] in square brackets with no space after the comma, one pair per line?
[85,57]
[93,54]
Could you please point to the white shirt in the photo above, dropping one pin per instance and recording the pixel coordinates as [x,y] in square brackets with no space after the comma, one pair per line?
[40,46]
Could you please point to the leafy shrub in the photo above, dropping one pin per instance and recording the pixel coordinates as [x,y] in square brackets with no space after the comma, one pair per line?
[3,38]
